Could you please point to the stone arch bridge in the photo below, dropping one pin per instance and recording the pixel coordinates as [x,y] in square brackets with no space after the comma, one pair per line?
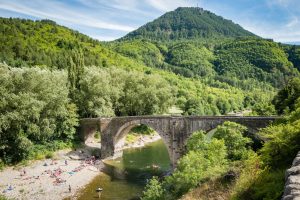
[174,130]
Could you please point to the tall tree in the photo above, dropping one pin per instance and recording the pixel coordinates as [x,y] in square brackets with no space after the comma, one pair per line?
[75,72]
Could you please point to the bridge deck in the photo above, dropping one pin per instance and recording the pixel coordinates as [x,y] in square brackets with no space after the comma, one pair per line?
[187,117]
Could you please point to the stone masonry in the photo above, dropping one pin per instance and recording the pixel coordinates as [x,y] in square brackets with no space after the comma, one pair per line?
[292,184]
[174,130]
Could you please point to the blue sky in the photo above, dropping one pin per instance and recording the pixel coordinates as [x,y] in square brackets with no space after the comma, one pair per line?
[111,19]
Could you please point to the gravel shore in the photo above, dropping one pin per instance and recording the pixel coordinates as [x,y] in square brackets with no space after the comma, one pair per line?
[50,179]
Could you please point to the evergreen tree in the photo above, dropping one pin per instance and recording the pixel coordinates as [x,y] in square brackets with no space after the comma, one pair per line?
[75,72]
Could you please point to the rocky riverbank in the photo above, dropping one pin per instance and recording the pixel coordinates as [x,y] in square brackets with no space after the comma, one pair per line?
[50,179]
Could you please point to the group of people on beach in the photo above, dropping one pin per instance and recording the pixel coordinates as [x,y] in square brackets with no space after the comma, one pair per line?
[56,173]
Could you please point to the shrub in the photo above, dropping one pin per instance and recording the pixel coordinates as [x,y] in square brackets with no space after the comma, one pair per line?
[251,170]
[235,142]
[97,135]
[197,166]
[263,176]
[153,190]
[49,155]
[142,129]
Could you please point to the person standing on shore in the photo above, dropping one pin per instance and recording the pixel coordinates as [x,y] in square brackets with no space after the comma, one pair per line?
[70,189]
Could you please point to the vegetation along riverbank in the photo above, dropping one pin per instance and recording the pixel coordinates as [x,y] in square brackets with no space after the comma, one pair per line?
[190,61]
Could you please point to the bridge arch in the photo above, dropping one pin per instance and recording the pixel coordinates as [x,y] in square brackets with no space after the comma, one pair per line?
[125,129]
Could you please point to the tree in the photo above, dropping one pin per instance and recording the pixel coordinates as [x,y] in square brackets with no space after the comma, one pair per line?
[34,109]
[236,143]
[204,161]
[153,190]
[110,91]
[75,73]
[285,100]
[264,109]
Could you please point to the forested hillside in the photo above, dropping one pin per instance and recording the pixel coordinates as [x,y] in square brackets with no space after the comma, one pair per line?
[193,42]
[234,61]
[188,23]
[47,44]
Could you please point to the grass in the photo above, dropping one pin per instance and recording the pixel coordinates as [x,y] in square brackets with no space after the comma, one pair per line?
[131,138]
[97,135]
[46,151]
[3,197]
[210,190]
[2,165]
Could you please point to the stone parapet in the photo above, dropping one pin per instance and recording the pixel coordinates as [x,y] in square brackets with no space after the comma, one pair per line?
[292,184]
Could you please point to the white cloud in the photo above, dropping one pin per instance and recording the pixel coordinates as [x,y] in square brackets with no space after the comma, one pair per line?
[117,17]
[293,22]
[284,3]
[132,6]
[58,11]
[279,33]
[168,5]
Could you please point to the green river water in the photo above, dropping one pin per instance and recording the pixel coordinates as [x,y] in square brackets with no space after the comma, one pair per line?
[124,178]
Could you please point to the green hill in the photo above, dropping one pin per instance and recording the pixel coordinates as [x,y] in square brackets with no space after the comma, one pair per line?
[188,23]
[231,60]
[45,43]
[263,60]
[227,58]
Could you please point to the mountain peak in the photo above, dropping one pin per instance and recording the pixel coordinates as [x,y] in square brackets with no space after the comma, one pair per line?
[189,23]
[199,9]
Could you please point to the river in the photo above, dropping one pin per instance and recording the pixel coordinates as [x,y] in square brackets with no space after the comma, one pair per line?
[124,178]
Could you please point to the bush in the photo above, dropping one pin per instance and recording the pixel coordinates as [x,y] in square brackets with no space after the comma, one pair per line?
[49,155]
[153,190]
[97,135]
[142,129]
[2,165]
[269,185]
[235,142]
[283,141]
[263,176]
[257,181]
[251,170]
[198,166]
